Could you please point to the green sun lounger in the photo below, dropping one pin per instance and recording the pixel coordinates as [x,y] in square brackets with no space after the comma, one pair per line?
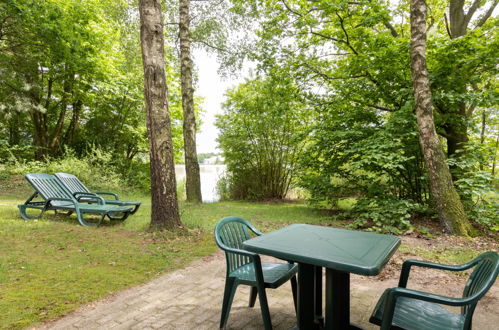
[81,193]
[56,197]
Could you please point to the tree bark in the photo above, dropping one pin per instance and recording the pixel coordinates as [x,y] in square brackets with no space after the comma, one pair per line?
[75,121]
[193,180]
[164,213]
[57,132]
[449,206]
[482,132]
[495,156]
[40,126]
[457,18]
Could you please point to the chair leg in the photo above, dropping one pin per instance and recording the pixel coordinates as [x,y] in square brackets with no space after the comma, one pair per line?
[253,294]
[264,307]
[294,290]
[230,290]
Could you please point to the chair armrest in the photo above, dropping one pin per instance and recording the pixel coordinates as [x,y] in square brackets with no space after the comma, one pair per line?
[238,251]
[406,268]
[90,196]
[108,193]
[254,230]
[394,293]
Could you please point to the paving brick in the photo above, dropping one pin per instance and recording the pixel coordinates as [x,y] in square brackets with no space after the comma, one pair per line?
[191,298]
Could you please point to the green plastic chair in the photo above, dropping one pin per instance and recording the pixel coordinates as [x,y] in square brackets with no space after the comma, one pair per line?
[402,308]
[244,267]
[81,193]
[56,197]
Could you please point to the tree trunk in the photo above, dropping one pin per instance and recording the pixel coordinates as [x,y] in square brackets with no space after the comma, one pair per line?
[14,133]
[164,213]
[193,180]
[75,121]
[55,138]
[482,132]
[495,156]
[456,130]
[40,126]
[457,18]
[449,206]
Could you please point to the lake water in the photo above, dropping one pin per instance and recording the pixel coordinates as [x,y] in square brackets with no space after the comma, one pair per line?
[210,174]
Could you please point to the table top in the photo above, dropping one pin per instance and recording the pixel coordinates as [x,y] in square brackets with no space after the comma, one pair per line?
[345,250]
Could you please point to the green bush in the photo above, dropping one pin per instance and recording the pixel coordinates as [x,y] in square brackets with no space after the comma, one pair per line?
[93,169]
[262,138]
[383,215]
[476,188]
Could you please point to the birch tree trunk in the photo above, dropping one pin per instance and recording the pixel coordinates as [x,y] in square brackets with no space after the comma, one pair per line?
[193,180]
[449,206]
[164,213]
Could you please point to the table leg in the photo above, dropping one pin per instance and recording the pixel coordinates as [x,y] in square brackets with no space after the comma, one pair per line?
[319,319]
[337,299]
[306,297]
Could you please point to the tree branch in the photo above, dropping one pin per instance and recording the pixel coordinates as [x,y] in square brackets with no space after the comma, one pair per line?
[474,6]
[486,16]
[326,37]
[290,9]
[379,107]
[212,46]
[346,34]
[447,26]
[392,29]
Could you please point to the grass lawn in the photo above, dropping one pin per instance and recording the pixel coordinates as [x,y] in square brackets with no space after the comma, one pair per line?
[49,267]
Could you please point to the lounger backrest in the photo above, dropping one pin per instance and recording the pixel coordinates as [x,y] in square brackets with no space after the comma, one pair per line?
[72,183]
[48,186]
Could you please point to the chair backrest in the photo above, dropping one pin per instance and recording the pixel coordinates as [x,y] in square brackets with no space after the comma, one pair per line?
[231,232]
[481,279]
[72,183]
[48,186]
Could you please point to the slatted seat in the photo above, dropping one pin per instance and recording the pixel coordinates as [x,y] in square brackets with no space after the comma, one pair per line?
[402,308]
[56,197]
[81,193]
[244,267]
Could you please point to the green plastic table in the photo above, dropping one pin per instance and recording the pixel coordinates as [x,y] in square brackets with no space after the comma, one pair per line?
[340,251]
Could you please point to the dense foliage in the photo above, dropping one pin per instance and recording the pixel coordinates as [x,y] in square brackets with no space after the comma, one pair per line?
[262,133]
[351,62]
[71,77]
[331,109]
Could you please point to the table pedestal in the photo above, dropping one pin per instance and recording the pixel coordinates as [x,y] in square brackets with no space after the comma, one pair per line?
[338,300]
[310,299]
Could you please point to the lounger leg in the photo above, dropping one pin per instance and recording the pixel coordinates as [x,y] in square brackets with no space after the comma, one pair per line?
[135,209]
[25,216]
[122,218]
[27,205]
[82,221]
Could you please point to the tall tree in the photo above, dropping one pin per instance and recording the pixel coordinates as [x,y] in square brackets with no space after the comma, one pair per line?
[164,214]
[449,206]
[459,110]
[193,180]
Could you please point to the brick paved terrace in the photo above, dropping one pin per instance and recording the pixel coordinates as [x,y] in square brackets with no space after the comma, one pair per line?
[191,298]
